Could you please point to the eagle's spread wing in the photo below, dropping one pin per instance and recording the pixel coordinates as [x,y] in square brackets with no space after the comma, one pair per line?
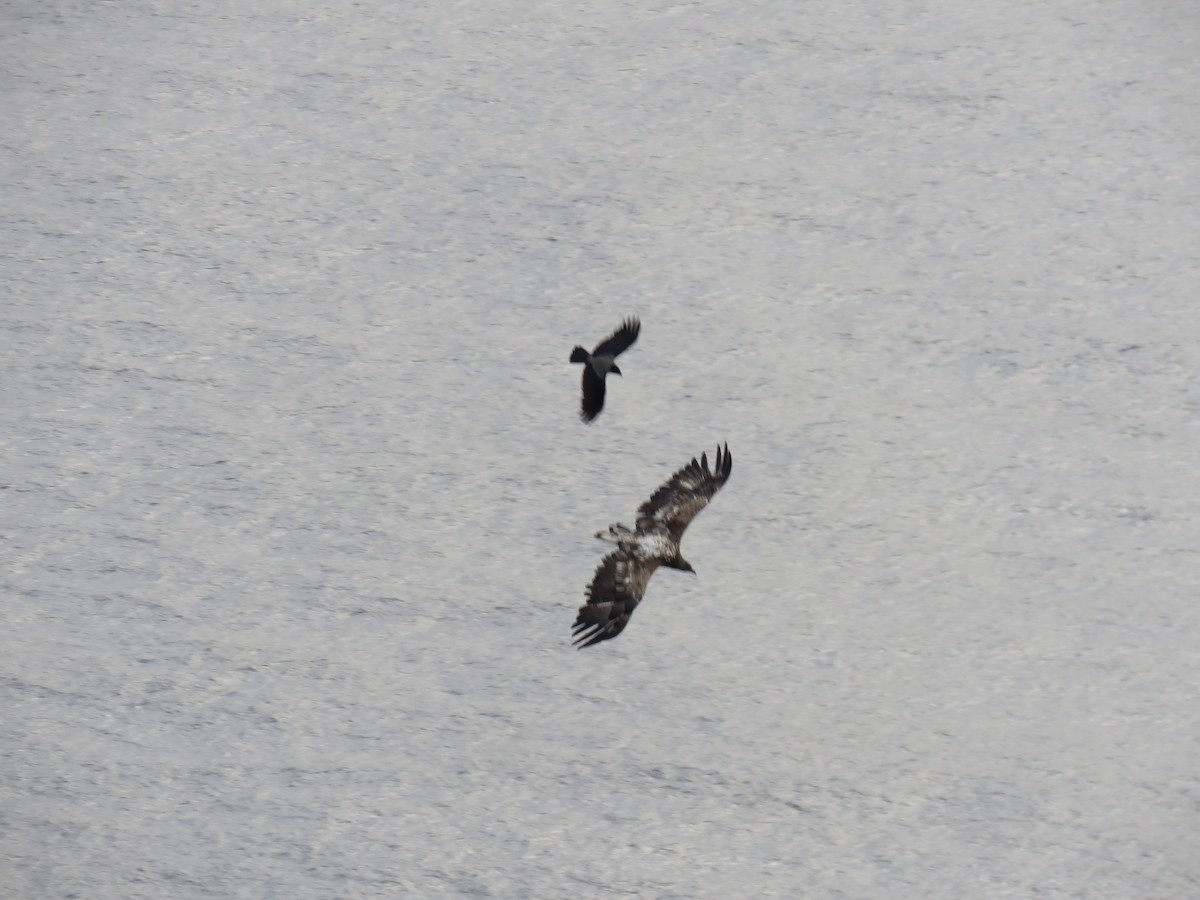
[593,394]
[615,591]
[688,491]
[620,340]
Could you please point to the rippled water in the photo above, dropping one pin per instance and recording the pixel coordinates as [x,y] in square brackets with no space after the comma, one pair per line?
[297,509]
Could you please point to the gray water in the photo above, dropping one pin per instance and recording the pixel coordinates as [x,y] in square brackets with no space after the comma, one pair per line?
[296,509]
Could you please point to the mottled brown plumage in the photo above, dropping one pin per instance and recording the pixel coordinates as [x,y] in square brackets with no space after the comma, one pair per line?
[622,577]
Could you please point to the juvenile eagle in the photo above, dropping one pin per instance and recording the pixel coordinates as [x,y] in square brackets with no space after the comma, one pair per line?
[621,579]
[600,362]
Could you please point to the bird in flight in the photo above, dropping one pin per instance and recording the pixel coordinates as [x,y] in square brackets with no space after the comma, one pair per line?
[621,578]
[600,362]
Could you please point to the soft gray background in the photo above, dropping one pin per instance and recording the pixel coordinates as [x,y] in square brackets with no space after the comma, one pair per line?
[297,511]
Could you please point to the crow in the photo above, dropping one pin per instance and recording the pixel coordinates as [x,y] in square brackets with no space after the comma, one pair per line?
[600,362]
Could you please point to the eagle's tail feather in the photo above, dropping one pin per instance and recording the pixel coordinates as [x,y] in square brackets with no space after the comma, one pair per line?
[614,533]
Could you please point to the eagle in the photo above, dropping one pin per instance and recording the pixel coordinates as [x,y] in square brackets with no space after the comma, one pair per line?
[621,578]
[600,362]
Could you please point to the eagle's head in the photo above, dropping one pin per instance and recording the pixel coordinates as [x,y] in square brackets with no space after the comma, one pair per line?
[615,370]
[678,562]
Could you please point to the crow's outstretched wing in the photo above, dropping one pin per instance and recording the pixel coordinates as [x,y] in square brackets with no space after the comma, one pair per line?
[593,394]
[620,340]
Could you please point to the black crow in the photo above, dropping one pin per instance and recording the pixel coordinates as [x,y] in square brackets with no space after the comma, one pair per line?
[600,362]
